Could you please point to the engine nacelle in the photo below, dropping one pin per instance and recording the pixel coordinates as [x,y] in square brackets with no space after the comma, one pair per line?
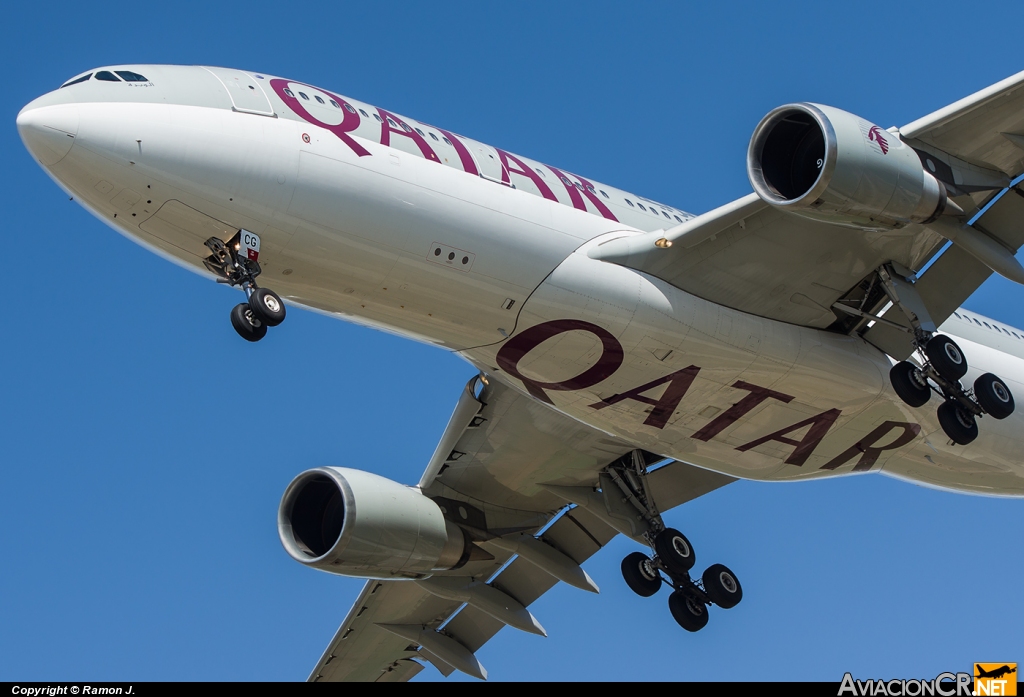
[830,165]
[355,523]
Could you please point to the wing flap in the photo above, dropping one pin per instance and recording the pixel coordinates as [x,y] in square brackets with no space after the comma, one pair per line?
[361,651]
[577,533]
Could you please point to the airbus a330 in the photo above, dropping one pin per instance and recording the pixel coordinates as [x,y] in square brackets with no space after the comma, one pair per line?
[631,357]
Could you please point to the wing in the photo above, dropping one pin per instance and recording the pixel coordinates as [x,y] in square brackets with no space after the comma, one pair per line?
[755,258]
[497,454]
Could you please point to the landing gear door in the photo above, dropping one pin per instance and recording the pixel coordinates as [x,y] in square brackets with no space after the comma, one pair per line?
[246,92]
[249,245]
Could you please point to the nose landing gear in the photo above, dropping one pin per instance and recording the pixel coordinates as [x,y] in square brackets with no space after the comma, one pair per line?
[235,263]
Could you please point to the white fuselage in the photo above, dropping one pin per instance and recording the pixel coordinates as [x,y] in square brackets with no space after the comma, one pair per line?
[461,245]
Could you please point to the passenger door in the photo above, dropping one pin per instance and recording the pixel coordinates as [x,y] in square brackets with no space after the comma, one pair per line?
[246,92]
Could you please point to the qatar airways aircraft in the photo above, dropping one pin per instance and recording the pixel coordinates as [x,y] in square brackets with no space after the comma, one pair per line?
[631,356]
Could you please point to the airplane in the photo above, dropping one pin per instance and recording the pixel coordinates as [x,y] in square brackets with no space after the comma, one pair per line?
[630,356]
[996,672]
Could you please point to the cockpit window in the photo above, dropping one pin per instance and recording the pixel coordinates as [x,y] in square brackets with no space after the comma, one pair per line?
[107,76]
[129,76]
[77,80]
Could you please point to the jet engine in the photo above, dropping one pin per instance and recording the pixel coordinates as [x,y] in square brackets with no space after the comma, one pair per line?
[830,165]
[354,523]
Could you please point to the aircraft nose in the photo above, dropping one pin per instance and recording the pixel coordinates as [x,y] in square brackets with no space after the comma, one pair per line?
[48,131]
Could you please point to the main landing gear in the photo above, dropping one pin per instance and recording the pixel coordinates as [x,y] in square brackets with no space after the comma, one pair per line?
[940,367]
[264,308]
[690,598]
[672,560]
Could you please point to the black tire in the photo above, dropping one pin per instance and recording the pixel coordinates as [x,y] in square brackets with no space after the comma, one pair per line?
[959,425]
[267,306]
[994,396]
[640,576]
[674,551]
[689,612]
[722,586]
[946,357]
[245,322]
[910,384]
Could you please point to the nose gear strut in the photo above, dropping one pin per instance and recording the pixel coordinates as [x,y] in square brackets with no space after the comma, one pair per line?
[263,307]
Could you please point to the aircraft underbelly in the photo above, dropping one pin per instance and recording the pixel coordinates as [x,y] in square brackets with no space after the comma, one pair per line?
[732,392]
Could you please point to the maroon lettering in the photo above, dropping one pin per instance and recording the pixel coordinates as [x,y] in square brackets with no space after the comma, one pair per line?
[525,170]
[819,426]
[349,123]
[740,409]
[665,406]
[585,187]
[865,447]
[468,163]
[403,129]
[515,348]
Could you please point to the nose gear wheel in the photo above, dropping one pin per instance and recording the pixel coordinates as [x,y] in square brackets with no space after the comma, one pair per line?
[263,308]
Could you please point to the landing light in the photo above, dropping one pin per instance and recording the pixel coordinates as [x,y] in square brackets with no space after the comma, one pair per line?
[663,243]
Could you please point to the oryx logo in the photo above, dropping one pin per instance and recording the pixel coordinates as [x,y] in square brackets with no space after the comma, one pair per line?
[875,134]
[995,679]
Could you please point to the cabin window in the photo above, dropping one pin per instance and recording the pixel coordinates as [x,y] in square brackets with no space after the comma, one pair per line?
[304,96]
[289,93]
[422,134]
[987,326]
[107,76]
[317,98]
[591,189]
[363,112]
[977,322]
[447,141]
[957,316]
[432,135]
[335,104]
[349,108]
[603,193]
[406,128]
[628,201]
[76,80]
[565,180]
[393,124]
[379,119]
[1006,332]
[641,206]
[129,76]
[678,219]
[666,215]
[1015,335]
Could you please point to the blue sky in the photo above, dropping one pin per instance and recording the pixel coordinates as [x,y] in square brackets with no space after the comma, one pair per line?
[139,499]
